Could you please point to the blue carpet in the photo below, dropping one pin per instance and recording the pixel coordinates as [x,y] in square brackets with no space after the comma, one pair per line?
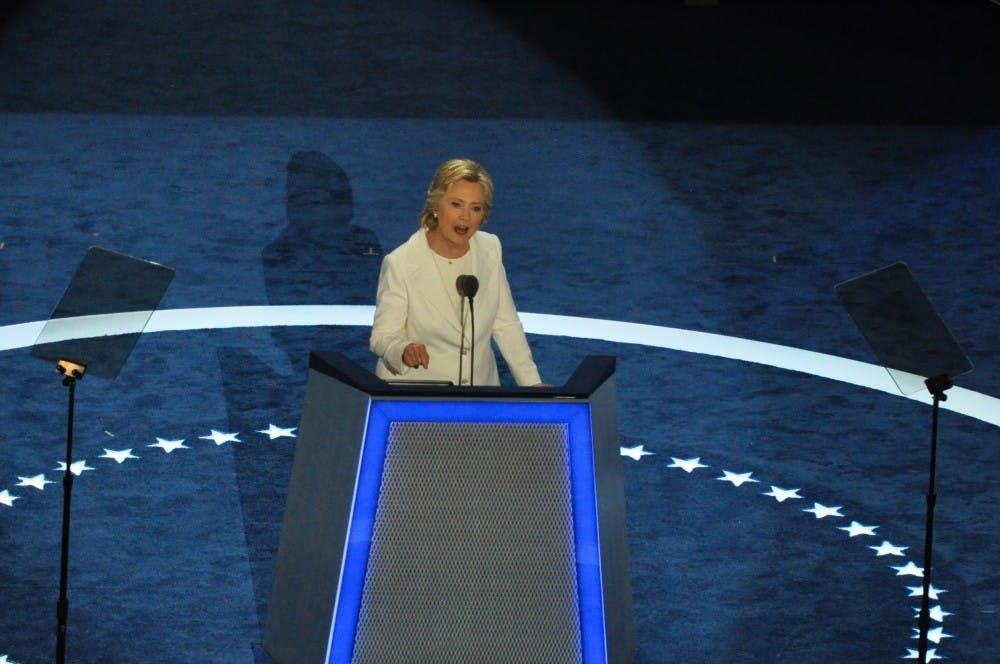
[739,228]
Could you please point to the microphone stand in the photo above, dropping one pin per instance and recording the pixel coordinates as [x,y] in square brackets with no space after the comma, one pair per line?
[467,286]
[472,344]
[461,341]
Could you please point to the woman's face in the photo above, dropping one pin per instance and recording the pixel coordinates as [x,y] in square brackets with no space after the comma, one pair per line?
[460,213]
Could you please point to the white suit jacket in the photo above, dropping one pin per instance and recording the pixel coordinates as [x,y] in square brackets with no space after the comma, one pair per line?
[412,306]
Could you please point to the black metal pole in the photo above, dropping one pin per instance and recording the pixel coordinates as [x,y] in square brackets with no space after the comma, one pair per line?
[62,608]
[937,385]
[472,345]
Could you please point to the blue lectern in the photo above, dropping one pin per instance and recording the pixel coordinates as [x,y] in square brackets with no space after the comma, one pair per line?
[430,523]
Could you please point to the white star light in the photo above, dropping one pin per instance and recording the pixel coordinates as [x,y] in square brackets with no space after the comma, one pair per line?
[220,438]
[736,478]
[38,481]
[273,432]
[822,511]
[688,465]
[634,453]
[909,569]
[856,529]
[888,549]
[781,495]
[918,591]
[937,614]
[933,635]
[118,455]
[77,468]
[169,446]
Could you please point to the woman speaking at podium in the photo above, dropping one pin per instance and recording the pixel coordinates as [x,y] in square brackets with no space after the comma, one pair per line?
[443,294]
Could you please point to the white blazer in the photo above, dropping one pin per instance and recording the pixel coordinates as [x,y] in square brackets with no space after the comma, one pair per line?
[412,306]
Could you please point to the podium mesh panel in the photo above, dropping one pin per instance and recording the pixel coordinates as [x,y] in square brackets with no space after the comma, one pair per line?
[472,556]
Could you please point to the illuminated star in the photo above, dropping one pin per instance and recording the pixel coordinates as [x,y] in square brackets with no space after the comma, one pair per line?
[38,481]
[933,635]
[220,438]
[736,478]
[7,498]
[937,614]
[918,591]
[688,465]
[118,455]
[634,453]
[77,468]
[909,569]
[822,511]
[273,432]
[781,495]
[936,635]
[888,549]
[915,654]
[856,529]
[169,446]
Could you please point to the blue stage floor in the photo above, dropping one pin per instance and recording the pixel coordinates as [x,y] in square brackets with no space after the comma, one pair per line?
[775,477]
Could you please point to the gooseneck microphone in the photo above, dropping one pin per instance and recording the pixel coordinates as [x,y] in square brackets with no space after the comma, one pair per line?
[467,286]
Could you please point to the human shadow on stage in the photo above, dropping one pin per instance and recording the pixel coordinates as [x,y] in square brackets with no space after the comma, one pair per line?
[319,258]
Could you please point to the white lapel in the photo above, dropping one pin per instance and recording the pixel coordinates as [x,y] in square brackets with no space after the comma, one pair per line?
[486,271]
[428,285]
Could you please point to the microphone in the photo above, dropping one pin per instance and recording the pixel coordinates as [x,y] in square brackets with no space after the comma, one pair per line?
[467,285]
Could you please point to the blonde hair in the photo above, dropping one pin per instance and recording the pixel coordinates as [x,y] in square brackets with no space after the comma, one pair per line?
[448,174]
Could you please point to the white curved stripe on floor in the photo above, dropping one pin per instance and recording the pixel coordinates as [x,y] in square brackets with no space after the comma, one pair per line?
[960,400]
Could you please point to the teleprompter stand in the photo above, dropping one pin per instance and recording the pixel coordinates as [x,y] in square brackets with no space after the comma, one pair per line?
[917,349]
[94,328]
